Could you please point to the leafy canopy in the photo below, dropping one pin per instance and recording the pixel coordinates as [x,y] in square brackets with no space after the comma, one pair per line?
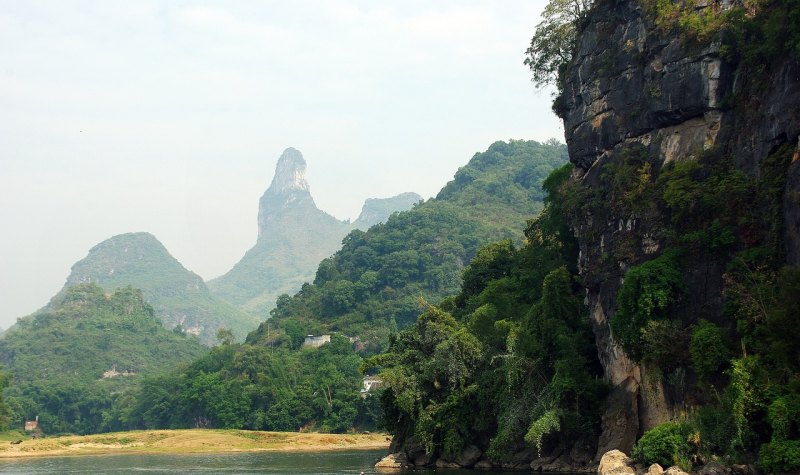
[554,40]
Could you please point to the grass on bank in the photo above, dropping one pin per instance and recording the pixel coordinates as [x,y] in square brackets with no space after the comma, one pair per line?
[185,441]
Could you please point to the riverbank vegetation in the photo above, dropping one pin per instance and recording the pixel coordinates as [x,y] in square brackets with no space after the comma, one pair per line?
[711,313]
[186,442]
[370,289]
[73,365]
[367,291]
[509,362]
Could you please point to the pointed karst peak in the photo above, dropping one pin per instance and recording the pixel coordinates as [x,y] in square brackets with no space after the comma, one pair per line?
[288,196]
[290,173]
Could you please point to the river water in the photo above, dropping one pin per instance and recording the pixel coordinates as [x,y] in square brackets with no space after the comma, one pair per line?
[327,463]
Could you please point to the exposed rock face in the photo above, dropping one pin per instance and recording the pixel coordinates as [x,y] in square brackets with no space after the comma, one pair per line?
[630,85]
[288,194]
[392,462]
[674,471]
[469,456]
[615,462]
[376,210]
[442,463]
[713,468]
[178,295]
[620,419]
[654,469]
[744,470]
[290,173]
[408,453]
[293,237]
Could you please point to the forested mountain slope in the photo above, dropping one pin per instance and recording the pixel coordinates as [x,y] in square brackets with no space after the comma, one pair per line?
[70,363]
[374,284]
[505,371]
[366,291]
[178,296]
[682,127]
[293,237]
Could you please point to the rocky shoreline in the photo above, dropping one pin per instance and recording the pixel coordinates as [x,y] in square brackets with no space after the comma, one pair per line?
[472,457]
[613,462]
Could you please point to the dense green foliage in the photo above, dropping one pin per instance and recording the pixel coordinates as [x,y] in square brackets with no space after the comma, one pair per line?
[554,40]
[371,287]
[5,409]
[510,360]
[431,374]
[58,358]
[708,349]
[376,283]
[294,236]
[780,456]
[644,302]
[757,32]
[261,388]
[178,296]
[717,290]
[666,444]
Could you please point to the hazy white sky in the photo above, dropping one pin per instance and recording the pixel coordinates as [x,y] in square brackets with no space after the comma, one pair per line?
[169,116]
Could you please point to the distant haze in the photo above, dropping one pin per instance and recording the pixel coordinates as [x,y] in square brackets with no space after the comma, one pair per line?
[169,117]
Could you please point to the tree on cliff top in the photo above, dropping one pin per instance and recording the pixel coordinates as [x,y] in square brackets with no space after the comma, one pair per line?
[554,39]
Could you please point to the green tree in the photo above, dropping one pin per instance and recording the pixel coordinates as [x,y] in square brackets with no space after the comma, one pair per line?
[666,444]
[430,370]
[554,39]
[5,408]
[708,349]
[644,301]
[59,357]
[225,336]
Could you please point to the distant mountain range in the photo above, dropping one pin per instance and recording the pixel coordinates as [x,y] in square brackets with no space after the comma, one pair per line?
[76,361]
[377,283]
[293,237]
[374,283]
[179,296]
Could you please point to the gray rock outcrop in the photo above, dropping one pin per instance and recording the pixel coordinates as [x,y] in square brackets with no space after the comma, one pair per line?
[615,462]
[469,456]
[395,461]
[674,471]
[294,235]
[713,468]
[620,420]
[630,85]
[654,469]
[376,210]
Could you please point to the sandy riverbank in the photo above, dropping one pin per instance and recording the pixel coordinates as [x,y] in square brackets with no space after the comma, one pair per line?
[191,441]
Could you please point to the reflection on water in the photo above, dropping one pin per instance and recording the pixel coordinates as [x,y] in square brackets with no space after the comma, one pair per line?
[228,464]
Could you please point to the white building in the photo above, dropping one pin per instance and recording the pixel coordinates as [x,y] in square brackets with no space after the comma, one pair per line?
[370,383]
[316,341]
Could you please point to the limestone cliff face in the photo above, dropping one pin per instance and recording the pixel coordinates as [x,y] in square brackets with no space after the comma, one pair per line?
[376,210]
[294,235]
[288,194]
[629,84]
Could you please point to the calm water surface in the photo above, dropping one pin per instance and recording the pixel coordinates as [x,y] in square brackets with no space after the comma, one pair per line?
[328,463]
